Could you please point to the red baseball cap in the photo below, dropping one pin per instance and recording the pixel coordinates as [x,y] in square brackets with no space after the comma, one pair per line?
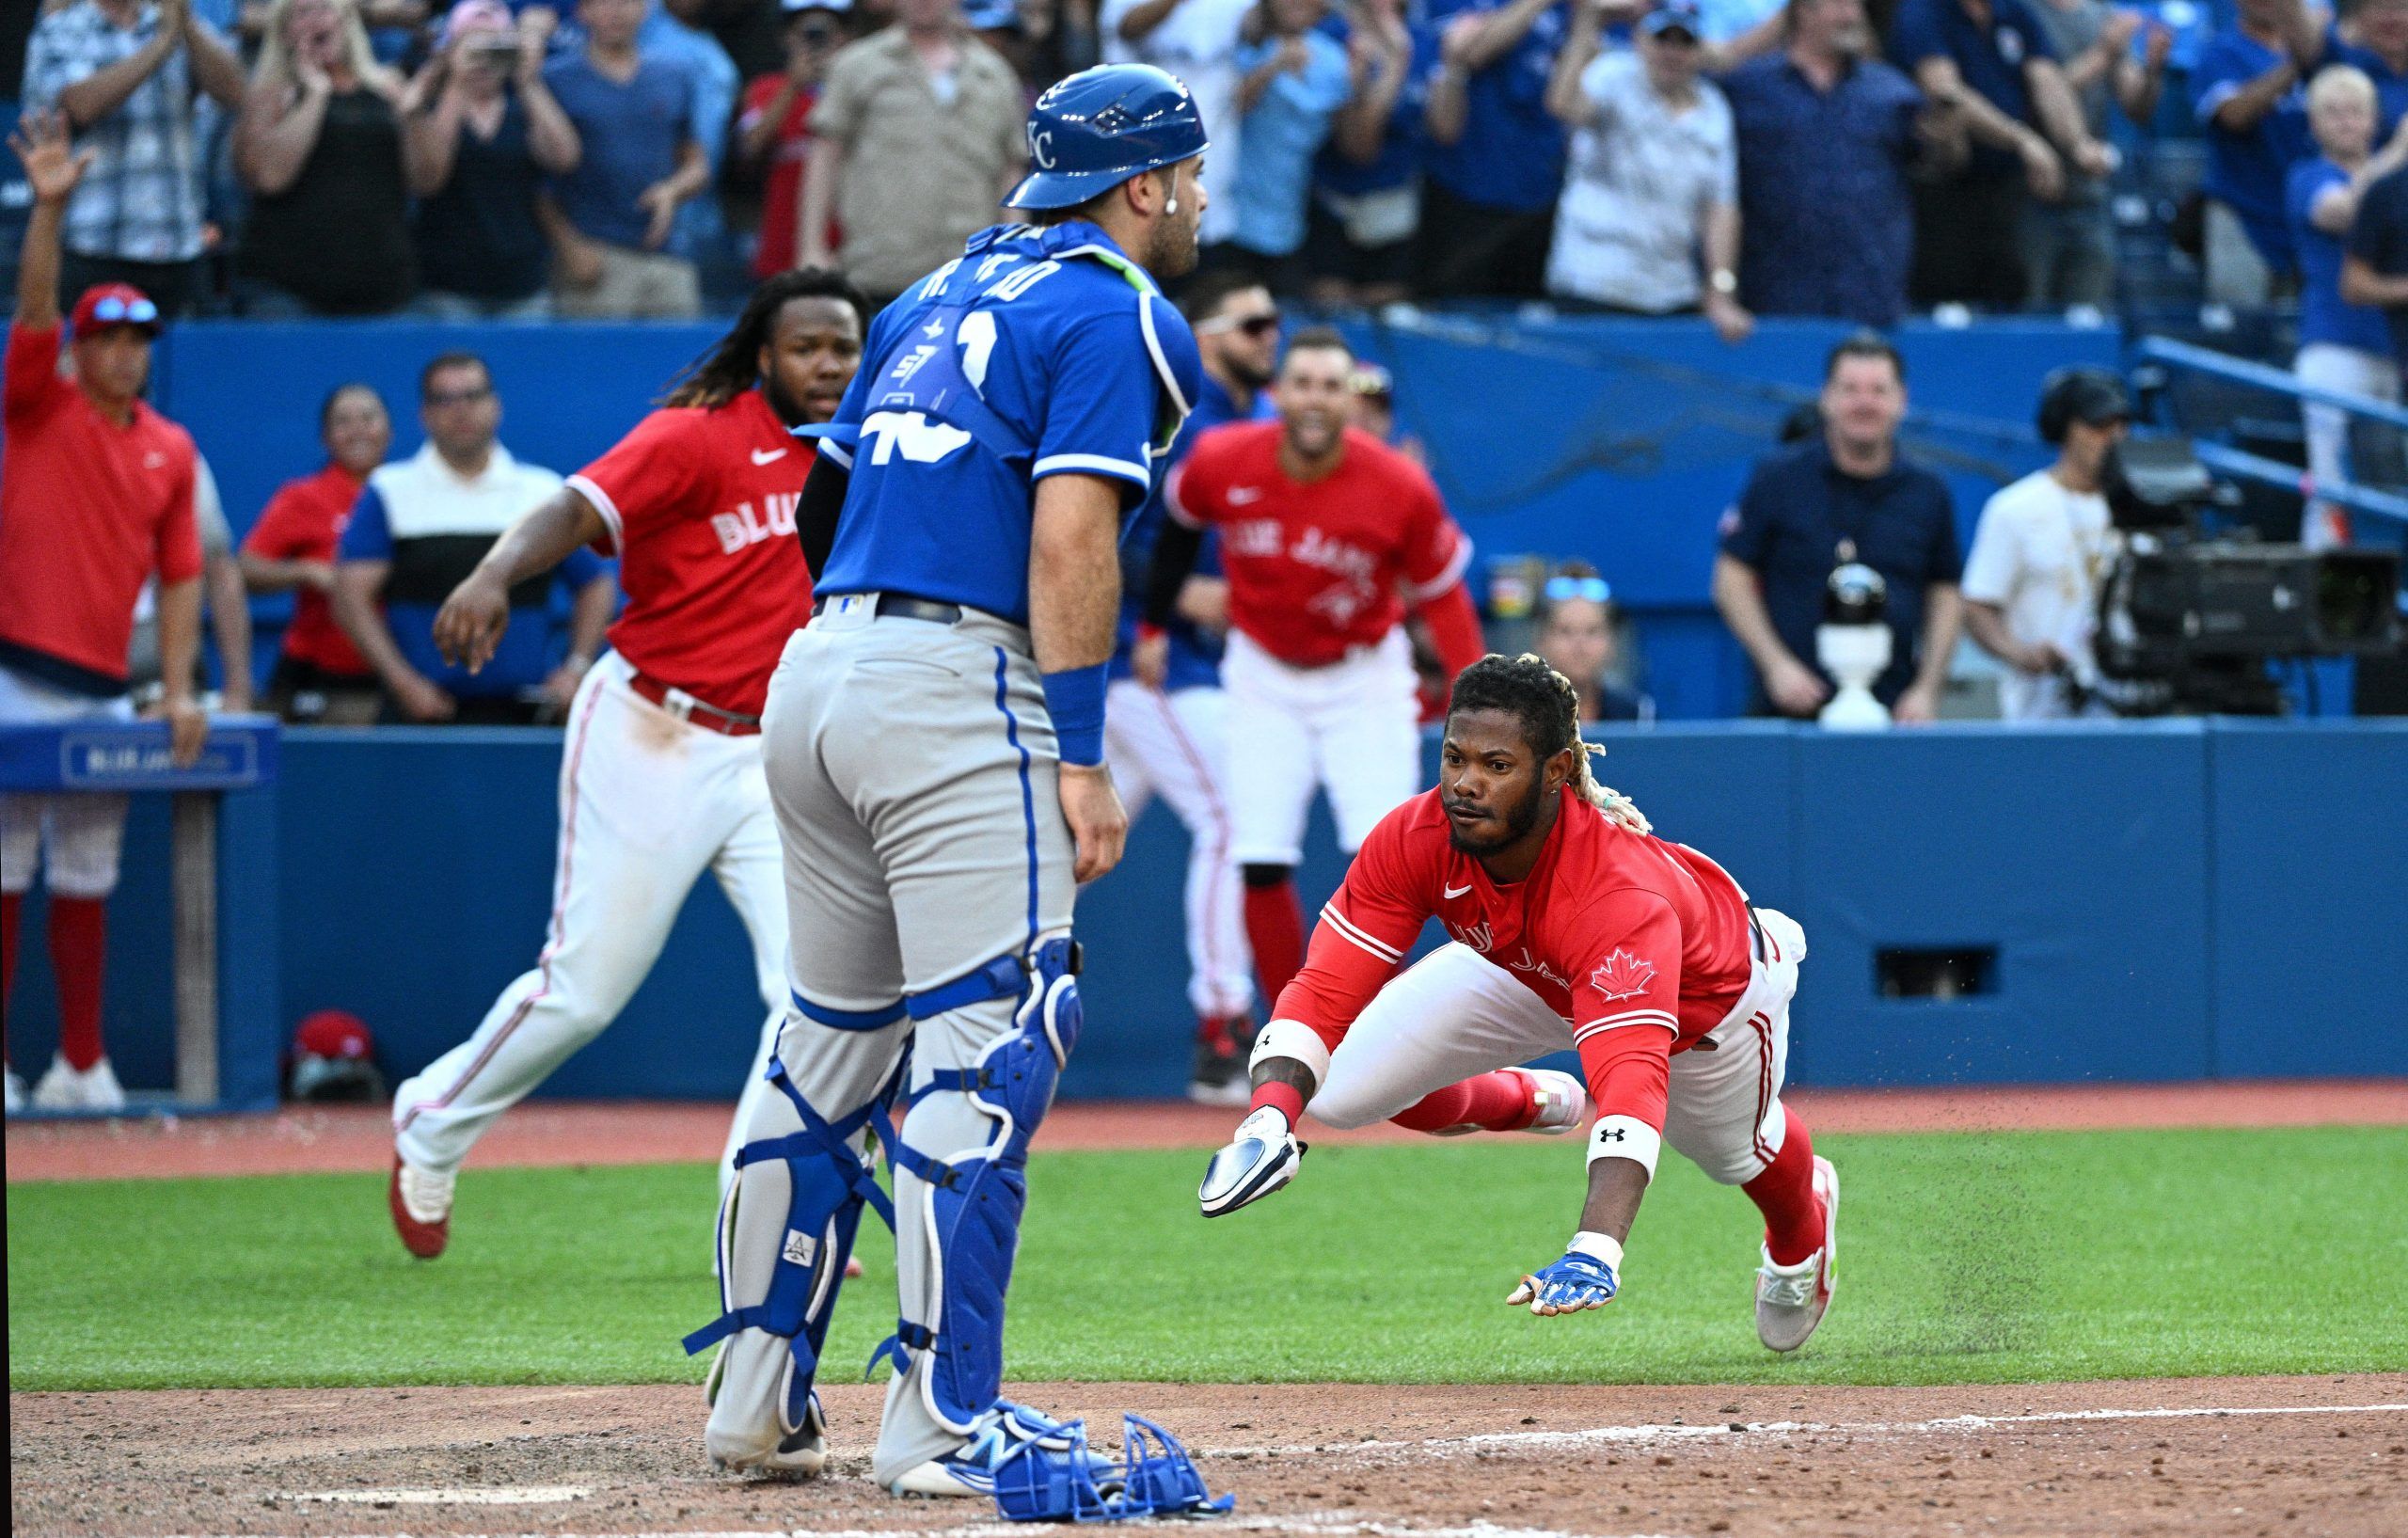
[333,1032]
[114,304]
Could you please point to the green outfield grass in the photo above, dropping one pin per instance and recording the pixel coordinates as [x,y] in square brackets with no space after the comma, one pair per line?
[1964,1257]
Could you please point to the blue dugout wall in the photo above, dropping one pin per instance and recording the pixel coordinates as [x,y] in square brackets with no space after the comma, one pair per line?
[2165,901]
[1621,441]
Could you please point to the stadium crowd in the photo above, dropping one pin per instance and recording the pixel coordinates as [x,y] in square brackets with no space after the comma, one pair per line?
[643,157]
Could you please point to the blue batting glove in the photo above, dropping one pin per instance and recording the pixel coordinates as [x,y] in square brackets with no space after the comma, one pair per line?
[1576,1281]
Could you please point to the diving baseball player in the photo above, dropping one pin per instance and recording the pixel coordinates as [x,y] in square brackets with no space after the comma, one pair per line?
[1573,927]
[935,750]
[660,774]
[1327,534]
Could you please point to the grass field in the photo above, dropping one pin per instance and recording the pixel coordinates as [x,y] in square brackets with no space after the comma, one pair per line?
[1965,1258]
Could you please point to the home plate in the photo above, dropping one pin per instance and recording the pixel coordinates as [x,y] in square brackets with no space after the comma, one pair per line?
[504,1495]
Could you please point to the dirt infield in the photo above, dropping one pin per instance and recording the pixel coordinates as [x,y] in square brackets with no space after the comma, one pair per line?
[613,1133]
[2202,1458]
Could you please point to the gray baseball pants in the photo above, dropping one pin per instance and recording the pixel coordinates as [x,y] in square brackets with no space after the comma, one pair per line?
[912,769]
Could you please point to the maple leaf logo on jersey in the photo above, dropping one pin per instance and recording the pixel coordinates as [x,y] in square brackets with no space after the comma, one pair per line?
[1622,975]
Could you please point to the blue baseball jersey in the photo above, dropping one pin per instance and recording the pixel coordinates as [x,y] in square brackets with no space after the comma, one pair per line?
[1195,655]
[1036,351]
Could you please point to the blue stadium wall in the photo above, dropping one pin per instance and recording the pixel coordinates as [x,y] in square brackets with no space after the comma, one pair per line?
[1618,441]
[2165,901]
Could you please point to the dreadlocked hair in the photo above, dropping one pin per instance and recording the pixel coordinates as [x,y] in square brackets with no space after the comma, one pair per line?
[733,365]
[1548,707]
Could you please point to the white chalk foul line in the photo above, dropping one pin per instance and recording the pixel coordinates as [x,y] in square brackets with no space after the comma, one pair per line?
[506,1494]
[1681,1432]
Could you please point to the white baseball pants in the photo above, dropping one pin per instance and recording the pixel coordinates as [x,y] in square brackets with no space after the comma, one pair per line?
[1455,1014]
[647,804]
[1176,744]
[1353,727]
[73,837]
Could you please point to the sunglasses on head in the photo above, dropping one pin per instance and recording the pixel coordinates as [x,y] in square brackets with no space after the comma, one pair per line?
[118,311]
[1257,326]
[1594,589]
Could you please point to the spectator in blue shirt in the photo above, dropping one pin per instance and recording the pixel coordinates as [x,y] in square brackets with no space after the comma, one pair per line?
[1290,84]
[421,526]
[1845,495]
[1826,136]
[2245,92]
[1366,184]
[610,218]
[1990,63]
[1496,157]
[2342,346]
[2372,34]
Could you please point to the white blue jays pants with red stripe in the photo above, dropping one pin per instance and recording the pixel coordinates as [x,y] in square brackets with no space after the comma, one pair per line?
[913,770]
[1455,1013]
[647,804]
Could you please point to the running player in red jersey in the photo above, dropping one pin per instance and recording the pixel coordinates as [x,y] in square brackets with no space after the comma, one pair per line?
[1327,537]
[660,776]
[1572,927]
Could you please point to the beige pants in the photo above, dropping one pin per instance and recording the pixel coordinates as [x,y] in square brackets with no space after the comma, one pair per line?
[635,286]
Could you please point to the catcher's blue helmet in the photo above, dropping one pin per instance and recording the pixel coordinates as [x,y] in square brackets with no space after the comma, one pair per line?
[1097,129]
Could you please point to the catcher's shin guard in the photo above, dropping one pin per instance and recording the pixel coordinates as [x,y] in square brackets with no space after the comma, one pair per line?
[829,1182]
[975,1193]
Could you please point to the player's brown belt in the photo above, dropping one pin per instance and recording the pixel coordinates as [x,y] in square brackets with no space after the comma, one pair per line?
[694,712]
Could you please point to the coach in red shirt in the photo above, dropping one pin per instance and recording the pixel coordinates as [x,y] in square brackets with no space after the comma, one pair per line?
[96,494]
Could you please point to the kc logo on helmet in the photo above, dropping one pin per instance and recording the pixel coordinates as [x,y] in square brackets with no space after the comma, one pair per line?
[1040,147]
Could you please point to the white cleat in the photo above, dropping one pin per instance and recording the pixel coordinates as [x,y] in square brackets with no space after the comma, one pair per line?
[1791,1300]
[1263,1157]
[799,1454]
[1003,1433]
[1562,1101]
[16,1092]
[65,1088]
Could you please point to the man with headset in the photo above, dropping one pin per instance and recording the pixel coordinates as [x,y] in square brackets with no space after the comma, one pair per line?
[2031,582]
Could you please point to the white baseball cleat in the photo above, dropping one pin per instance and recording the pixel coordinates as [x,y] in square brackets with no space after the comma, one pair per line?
[1007,1431]
[65,1088]
[1562,1101]
[1790,1300]
[1263,1157]
[16,1092]
[798,1454]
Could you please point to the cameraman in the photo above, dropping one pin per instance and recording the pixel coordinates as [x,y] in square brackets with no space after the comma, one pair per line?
[1844,493]
[2032,580]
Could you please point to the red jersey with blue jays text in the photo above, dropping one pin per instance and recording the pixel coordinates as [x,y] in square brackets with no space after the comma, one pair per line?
[701,505]
[1317,569]
[1641,945]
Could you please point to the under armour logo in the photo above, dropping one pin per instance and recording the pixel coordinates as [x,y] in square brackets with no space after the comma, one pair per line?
[1610,1134]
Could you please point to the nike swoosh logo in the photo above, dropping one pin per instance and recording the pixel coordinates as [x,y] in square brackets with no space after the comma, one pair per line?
[1458,891]
[770,456]
[1240,496]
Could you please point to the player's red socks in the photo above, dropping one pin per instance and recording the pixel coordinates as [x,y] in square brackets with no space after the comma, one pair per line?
[78,946]
[1275,926]
[1495,1103]
[1784,1192]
